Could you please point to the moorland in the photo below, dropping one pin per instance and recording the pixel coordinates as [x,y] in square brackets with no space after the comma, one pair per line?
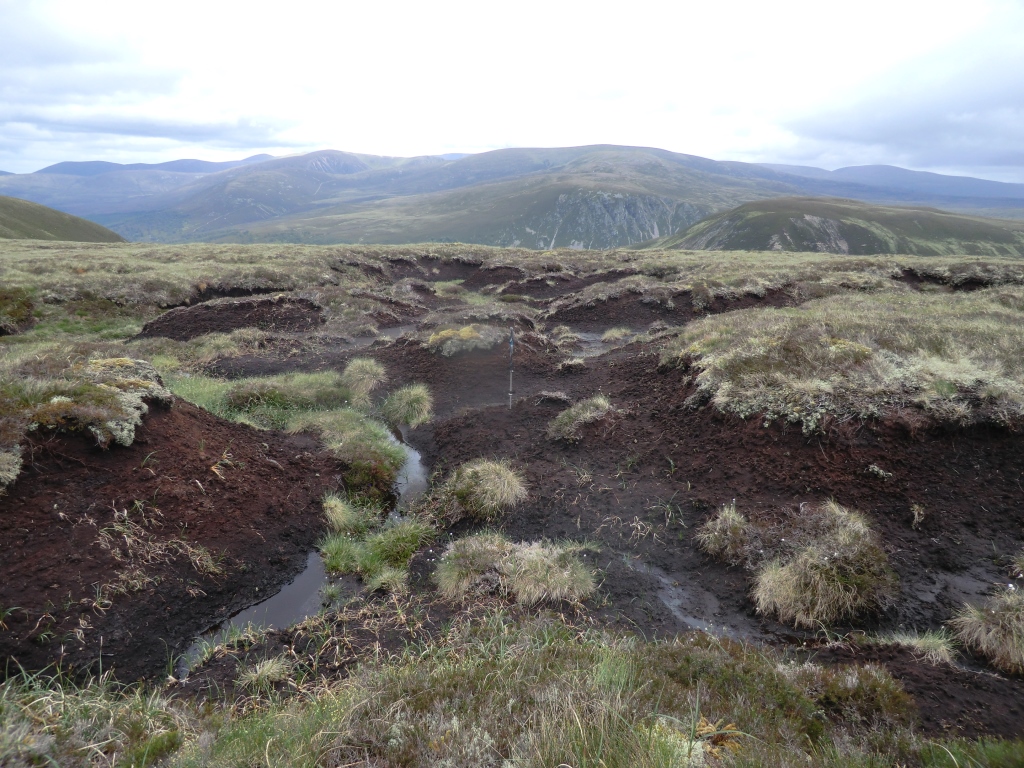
[739,508]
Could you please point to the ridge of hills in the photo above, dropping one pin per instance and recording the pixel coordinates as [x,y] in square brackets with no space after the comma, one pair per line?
[848,227]
[599,196]
[23,220]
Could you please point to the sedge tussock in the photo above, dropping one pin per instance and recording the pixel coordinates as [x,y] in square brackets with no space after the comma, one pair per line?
[567,424]
[262,675]
[840,573]
[724,535]
[412,405]
[347,518]
[483,488]
[361,376]
[529,573]
[995,629]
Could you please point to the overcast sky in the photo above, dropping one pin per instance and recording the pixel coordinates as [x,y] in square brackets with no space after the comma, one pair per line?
[929,84]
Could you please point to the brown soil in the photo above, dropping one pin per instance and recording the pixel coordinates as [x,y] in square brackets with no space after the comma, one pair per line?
[259,518]
[562,284]
[952,701]
[226,315]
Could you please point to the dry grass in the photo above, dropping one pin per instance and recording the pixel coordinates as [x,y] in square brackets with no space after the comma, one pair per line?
[839,574]
[262,676]
[995,629]
[725,535]
[453,341]
[412,405]
[956,357]
[1017,565]
[616,334]
[538,572]
[567,424]
[935,647]
[483,489]
[348,518]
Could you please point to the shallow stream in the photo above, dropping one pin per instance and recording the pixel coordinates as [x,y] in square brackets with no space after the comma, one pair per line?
[302,597]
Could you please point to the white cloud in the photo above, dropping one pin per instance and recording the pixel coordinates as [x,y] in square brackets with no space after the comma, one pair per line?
[132,81]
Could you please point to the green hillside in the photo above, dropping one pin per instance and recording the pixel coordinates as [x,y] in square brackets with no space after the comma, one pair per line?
[849,226]
[22,220]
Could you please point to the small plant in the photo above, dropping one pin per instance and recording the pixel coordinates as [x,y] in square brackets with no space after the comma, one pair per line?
[340,553]
[567,424]
[1017,565]
[616,334]
[842,572]
[995,629]
[452,341]
[361,376]
[877,471]
[394,544]
[412,405]
[917,510]
[483,489]
[347,518]
[488,563]
[262,676]
[572,365]
[330,594]
[389,579]
[934,647]
[725,535]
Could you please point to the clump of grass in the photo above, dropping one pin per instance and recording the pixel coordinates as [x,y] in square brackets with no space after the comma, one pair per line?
[935,647]
[1017,565]
[725,534]
[348,518]
[389,579]
[572,365]
[263,675]
[995,629]
[271,399]
[616,334]
[567,424]
[412,405]
[488,563]
[359,543]
[841,573]
[483,489]
[361,376]
[452,341]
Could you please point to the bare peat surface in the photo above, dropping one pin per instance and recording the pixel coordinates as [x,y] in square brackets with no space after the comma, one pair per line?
[226,315]
[257,516]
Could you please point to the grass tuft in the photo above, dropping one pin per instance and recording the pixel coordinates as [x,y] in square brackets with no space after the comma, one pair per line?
[841,573]
[567,424]
[725,535]
[350,519]
[995,629]
[361,376]
[483,489]
[935,647]
[412,405]
[488,563]
[263,675]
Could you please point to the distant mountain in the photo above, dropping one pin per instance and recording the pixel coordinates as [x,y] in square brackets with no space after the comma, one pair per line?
[97,167]
[918,182]
[599,196]
[849,227]
[6,173]
[22,220]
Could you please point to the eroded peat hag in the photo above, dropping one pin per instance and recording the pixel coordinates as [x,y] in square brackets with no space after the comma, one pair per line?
[119,557]
[567,528]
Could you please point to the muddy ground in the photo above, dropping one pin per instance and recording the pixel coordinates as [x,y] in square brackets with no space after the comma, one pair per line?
[638,483]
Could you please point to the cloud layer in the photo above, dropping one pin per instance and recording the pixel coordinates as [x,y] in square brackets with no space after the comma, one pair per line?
[931,85]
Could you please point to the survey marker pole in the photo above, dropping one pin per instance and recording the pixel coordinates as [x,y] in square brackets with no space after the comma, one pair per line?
[511,348]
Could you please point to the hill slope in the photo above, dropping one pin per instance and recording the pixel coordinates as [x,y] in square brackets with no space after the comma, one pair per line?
[849,226]
[22,220]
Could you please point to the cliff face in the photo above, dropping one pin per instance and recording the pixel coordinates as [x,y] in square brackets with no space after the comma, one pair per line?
[595,219]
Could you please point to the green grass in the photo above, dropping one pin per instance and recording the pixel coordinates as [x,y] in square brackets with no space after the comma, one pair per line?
[725,534]
[935,647]
[22,220]
[412,405]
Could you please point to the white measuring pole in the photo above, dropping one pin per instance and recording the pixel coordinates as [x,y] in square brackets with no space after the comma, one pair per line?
[511,347]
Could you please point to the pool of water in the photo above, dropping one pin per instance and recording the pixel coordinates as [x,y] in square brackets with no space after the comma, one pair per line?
[301,598]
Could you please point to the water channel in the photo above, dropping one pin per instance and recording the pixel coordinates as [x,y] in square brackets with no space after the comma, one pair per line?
[302,598]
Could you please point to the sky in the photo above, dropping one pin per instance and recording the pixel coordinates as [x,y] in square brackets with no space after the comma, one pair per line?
[924,84]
